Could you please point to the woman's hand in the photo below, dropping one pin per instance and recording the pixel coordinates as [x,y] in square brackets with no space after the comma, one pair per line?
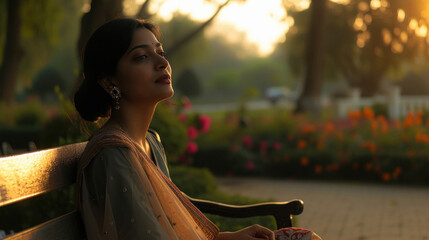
[254,232]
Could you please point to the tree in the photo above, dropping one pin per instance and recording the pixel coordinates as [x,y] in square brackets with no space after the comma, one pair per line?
[31,26]
[309,98]
[365,40]
[13,51]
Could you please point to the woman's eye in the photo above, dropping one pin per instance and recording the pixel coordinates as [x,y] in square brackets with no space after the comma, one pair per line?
[141,57]
[162,54]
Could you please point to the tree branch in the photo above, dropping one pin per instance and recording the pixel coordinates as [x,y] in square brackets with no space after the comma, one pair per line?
[177,45]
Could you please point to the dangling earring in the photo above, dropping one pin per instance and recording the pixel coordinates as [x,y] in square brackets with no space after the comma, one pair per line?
[116,95]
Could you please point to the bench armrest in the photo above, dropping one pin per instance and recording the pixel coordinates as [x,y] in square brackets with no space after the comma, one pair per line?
[282,211]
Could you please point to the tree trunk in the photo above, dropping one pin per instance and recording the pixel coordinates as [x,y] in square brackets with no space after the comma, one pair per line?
[101,11]
[310,98]
[13,51]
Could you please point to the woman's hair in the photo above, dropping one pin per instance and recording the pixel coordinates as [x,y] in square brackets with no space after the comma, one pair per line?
[101,55]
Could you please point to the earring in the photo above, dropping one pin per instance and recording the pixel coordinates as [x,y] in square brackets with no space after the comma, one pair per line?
[116,95]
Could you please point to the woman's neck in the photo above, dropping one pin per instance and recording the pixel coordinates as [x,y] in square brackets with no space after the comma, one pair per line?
[135,121]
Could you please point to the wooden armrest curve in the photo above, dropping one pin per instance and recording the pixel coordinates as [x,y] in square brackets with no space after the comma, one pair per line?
[282,211]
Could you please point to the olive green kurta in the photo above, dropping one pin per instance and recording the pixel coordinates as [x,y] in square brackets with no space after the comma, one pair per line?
[110,174]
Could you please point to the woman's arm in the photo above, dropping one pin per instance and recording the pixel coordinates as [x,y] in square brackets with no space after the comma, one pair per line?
[253,232]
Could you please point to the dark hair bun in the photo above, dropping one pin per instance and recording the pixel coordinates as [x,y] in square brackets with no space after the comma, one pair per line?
[91,101]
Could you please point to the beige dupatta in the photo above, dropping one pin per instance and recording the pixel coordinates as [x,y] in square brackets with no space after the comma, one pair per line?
[177,216]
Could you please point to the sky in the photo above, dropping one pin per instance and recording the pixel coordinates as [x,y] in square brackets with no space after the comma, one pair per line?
[263,22]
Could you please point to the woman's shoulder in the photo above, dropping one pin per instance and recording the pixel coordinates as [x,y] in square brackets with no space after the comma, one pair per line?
[111,156]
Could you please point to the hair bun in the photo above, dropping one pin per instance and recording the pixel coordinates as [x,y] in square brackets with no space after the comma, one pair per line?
[91,101]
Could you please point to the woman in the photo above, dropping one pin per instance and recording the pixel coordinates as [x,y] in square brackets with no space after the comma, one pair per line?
[123,185]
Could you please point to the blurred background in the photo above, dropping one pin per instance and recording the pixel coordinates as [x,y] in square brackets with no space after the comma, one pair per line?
[298,90]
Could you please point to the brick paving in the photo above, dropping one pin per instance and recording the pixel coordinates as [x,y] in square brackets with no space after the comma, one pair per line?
[347,210]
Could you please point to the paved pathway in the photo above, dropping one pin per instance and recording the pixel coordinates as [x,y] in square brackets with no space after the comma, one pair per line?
[347,210]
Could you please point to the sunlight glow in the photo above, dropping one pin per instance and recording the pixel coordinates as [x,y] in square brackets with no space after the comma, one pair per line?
[263,22]
[401,15]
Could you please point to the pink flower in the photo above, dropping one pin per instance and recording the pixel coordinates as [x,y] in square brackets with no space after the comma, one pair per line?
[250,165]
[187,104]
[192,132]
[192,147]
[277,146]
[247,141]
[182,117]
[263,146]
[205,123]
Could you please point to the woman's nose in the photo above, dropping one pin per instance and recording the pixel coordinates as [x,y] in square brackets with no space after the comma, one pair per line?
[163,63]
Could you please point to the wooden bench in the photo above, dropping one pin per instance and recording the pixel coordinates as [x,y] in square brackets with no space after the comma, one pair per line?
[29,175]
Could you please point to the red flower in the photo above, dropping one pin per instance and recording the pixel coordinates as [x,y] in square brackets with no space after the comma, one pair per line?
[263,146]
[192,148]
[182,117]
[192,132]
[304,161]
[247,141]
[277,146]
[205,122]
[250,165]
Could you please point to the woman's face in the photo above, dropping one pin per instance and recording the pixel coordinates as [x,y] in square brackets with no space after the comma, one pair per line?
[143,75]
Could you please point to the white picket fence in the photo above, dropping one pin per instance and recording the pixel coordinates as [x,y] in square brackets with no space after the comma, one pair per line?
[397,106]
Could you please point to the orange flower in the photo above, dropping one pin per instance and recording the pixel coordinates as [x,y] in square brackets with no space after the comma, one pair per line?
[308,128]
[409,120]
[304,161]
[381,118]
[368,113]
[386,177]
[329,127]
[354,115]
[368,166]
[397,172]
[320,144]
[335,167]
[422,138]
[318,169]
[301,144]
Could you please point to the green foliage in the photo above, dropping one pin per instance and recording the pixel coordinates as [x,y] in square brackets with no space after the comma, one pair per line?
[44,83]
[188,83]
[30,114]
[171,130]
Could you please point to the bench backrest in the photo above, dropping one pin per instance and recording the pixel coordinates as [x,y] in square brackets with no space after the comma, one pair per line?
[28,175]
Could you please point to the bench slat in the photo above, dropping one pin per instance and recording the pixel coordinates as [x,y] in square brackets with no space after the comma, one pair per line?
[68,226]
[27,175]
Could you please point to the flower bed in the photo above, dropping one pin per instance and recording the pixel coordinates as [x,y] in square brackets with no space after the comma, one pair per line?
[364,147]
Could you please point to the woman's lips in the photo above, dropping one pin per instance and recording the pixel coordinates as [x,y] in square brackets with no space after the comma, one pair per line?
[164,79]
